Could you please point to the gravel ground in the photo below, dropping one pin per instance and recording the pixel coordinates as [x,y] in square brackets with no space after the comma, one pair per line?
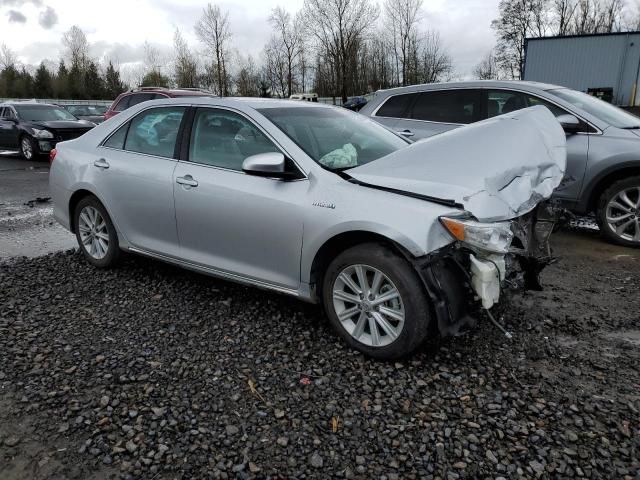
[148,371]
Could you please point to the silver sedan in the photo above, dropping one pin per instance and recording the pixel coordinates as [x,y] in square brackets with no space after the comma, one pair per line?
[323,204]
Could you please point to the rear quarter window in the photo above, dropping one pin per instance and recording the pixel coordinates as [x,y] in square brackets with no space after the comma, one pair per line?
[122,104]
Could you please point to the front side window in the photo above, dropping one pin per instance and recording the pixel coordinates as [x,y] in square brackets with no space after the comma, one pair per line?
[43,113]
[598,108]
[448,106]
[225,139]
[155,131]
[397,106]
[335,138]
[502,101]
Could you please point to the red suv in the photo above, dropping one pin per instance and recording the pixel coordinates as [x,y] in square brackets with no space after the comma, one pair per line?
[142,94]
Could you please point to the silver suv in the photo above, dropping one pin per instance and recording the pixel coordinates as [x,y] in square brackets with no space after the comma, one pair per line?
[603,141]
[323,204]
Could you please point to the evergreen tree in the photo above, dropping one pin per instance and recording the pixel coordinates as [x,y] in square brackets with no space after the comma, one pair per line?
[61,85]
[93,83]
[75,81]
[43,83]
[113,84]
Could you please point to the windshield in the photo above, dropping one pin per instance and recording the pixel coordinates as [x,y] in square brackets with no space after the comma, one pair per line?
[42,113]
[334,138]
[604,111]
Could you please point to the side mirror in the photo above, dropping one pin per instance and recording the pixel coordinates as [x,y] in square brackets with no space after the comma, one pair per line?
[569,123]
[270,164]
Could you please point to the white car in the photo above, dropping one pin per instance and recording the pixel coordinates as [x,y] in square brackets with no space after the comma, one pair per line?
[397,241]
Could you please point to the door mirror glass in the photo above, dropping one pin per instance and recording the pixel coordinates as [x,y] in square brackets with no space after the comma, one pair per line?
[569,123]
[270,164]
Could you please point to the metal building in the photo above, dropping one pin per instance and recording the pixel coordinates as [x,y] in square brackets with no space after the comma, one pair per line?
[606,65]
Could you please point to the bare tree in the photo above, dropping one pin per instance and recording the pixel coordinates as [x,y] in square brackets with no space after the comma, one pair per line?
[276,67]
[487,69]
[77,47]
[186,67]
[518,20]
[435,64]
[401,18]
[8,58]
[563,12]
[338,26]
[288,39]
[247,79]
[214,32]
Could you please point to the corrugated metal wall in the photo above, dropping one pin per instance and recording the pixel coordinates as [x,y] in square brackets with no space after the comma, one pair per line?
[598,61]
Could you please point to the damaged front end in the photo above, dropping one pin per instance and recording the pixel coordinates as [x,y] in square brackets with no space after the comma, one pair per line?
[487,259]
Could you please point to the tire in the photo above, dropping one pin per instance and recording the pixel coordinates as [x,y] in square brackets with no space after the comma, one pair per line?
[405,336]
[28,148]
[618,212]
[95,233]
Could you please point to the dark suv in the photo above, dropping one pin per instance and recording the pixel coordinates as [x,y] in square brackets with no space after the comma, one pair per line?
[35,128]
[142,94]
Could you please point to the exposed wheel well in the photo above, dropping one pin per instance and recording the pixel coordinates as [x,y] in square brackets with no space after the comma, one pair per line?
[73,201]
[606,181]
[341,242]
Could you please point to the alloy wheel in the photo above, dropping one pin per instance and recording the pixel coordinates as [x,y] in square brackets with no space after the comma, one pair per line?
[93,232]
[27,148]
[368,305]
[623,214]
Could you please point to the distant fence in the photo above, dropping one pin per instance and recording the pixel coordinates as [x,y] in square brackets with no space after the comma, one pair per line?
[106,103]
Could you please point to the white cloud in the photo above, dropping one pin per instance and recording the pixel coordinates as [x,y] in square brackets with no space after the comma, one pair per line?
[117,29]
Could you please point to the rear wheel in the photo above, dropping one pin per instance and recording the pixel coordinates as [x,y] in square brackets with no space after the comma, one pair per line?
[619,212]
[96,235]
[375,301]
[28,148]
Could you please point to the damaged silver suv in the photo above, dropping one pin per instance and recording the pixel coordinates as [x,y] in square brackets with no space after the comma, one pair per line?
[397,241]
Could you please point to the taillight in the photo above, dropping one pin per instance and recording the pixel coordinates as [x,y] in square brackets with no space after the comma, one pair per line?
[52,156]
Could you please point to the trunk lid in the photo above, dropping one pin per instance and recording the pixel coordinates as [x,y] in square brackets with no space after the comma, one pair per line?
[497,169]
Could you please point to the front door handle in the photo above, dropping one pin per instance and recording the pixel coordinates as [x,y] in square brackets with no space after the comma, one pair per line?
[187,180]
[406,133]
[101,163]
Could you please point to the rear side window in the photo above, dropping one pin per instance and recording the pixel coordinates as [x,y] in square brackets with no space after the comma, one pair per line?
[122,104]
[155,131]
[448,106]
[224,139]
[396,106]
[137,98]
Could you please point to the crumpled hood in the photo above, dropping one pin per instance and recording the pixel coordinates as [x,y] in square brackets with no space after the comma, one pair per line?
[497,169]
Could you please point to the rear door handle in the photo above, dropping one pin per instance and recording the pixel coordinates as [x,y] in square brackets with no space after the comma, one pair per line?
[187,180]
[102,163]
[406,133]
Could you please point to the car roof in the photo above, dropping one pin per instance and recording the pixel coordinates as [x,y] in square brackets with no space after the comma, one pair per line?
[31,104]
[474,84]
[251,102]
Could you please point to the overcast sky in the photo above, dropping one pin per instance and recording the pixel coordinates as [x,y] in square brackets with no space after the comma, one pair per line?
[117,29]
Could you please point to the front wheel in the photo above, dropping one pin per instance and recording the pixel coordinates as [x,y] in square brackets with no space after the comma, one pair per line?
[96,235]
[618,212]
[28,148]
[375,301]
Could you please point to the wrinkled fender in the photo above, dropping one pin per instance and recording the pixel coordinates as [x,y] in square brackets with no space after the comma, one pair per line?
[311,249]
